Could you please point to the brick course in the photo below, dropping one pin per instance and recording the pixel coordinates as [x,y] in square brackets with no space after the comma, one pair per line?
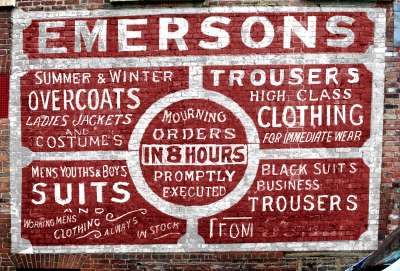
[390,187]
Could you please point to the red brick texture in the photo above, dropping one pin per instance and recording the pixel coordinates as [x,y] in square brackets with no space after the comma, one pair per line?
[389,208]
[390,188]
[5,41]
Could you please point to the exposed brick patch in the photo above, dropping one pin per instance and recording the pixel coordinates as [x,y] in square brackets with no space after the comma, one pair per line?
[391,139]
[5,40]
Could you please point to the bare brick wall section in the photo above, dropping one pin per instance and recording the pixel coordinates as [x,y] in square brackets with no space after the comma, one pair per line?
[390,211]
[5,41]
[390,196]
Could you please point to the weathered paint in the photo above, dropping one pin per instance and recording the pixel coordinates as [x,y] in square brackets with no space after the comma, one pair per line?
[211,175]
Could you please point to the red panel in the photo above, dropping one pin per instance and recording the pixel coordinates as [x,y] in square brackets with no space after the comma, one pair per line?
[300,106]
[194,161]
[66,115]
[362,29]
[4,92]
[297,200]
[103,206]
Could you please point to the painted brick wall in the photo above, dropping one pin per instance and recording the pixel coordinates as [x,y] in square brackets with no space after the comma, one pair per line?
[390,196]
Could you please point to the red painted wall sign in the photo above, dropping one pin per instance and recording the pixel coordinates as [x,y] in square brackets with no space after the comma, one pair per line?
[197,130]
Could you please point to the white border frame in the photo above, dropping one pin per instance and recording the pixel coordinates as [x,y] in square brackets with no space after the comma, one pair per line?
[371,151]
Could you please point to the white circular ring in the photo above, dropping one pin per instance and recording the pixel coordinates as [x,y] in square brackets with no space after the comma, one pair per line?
[193,211]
